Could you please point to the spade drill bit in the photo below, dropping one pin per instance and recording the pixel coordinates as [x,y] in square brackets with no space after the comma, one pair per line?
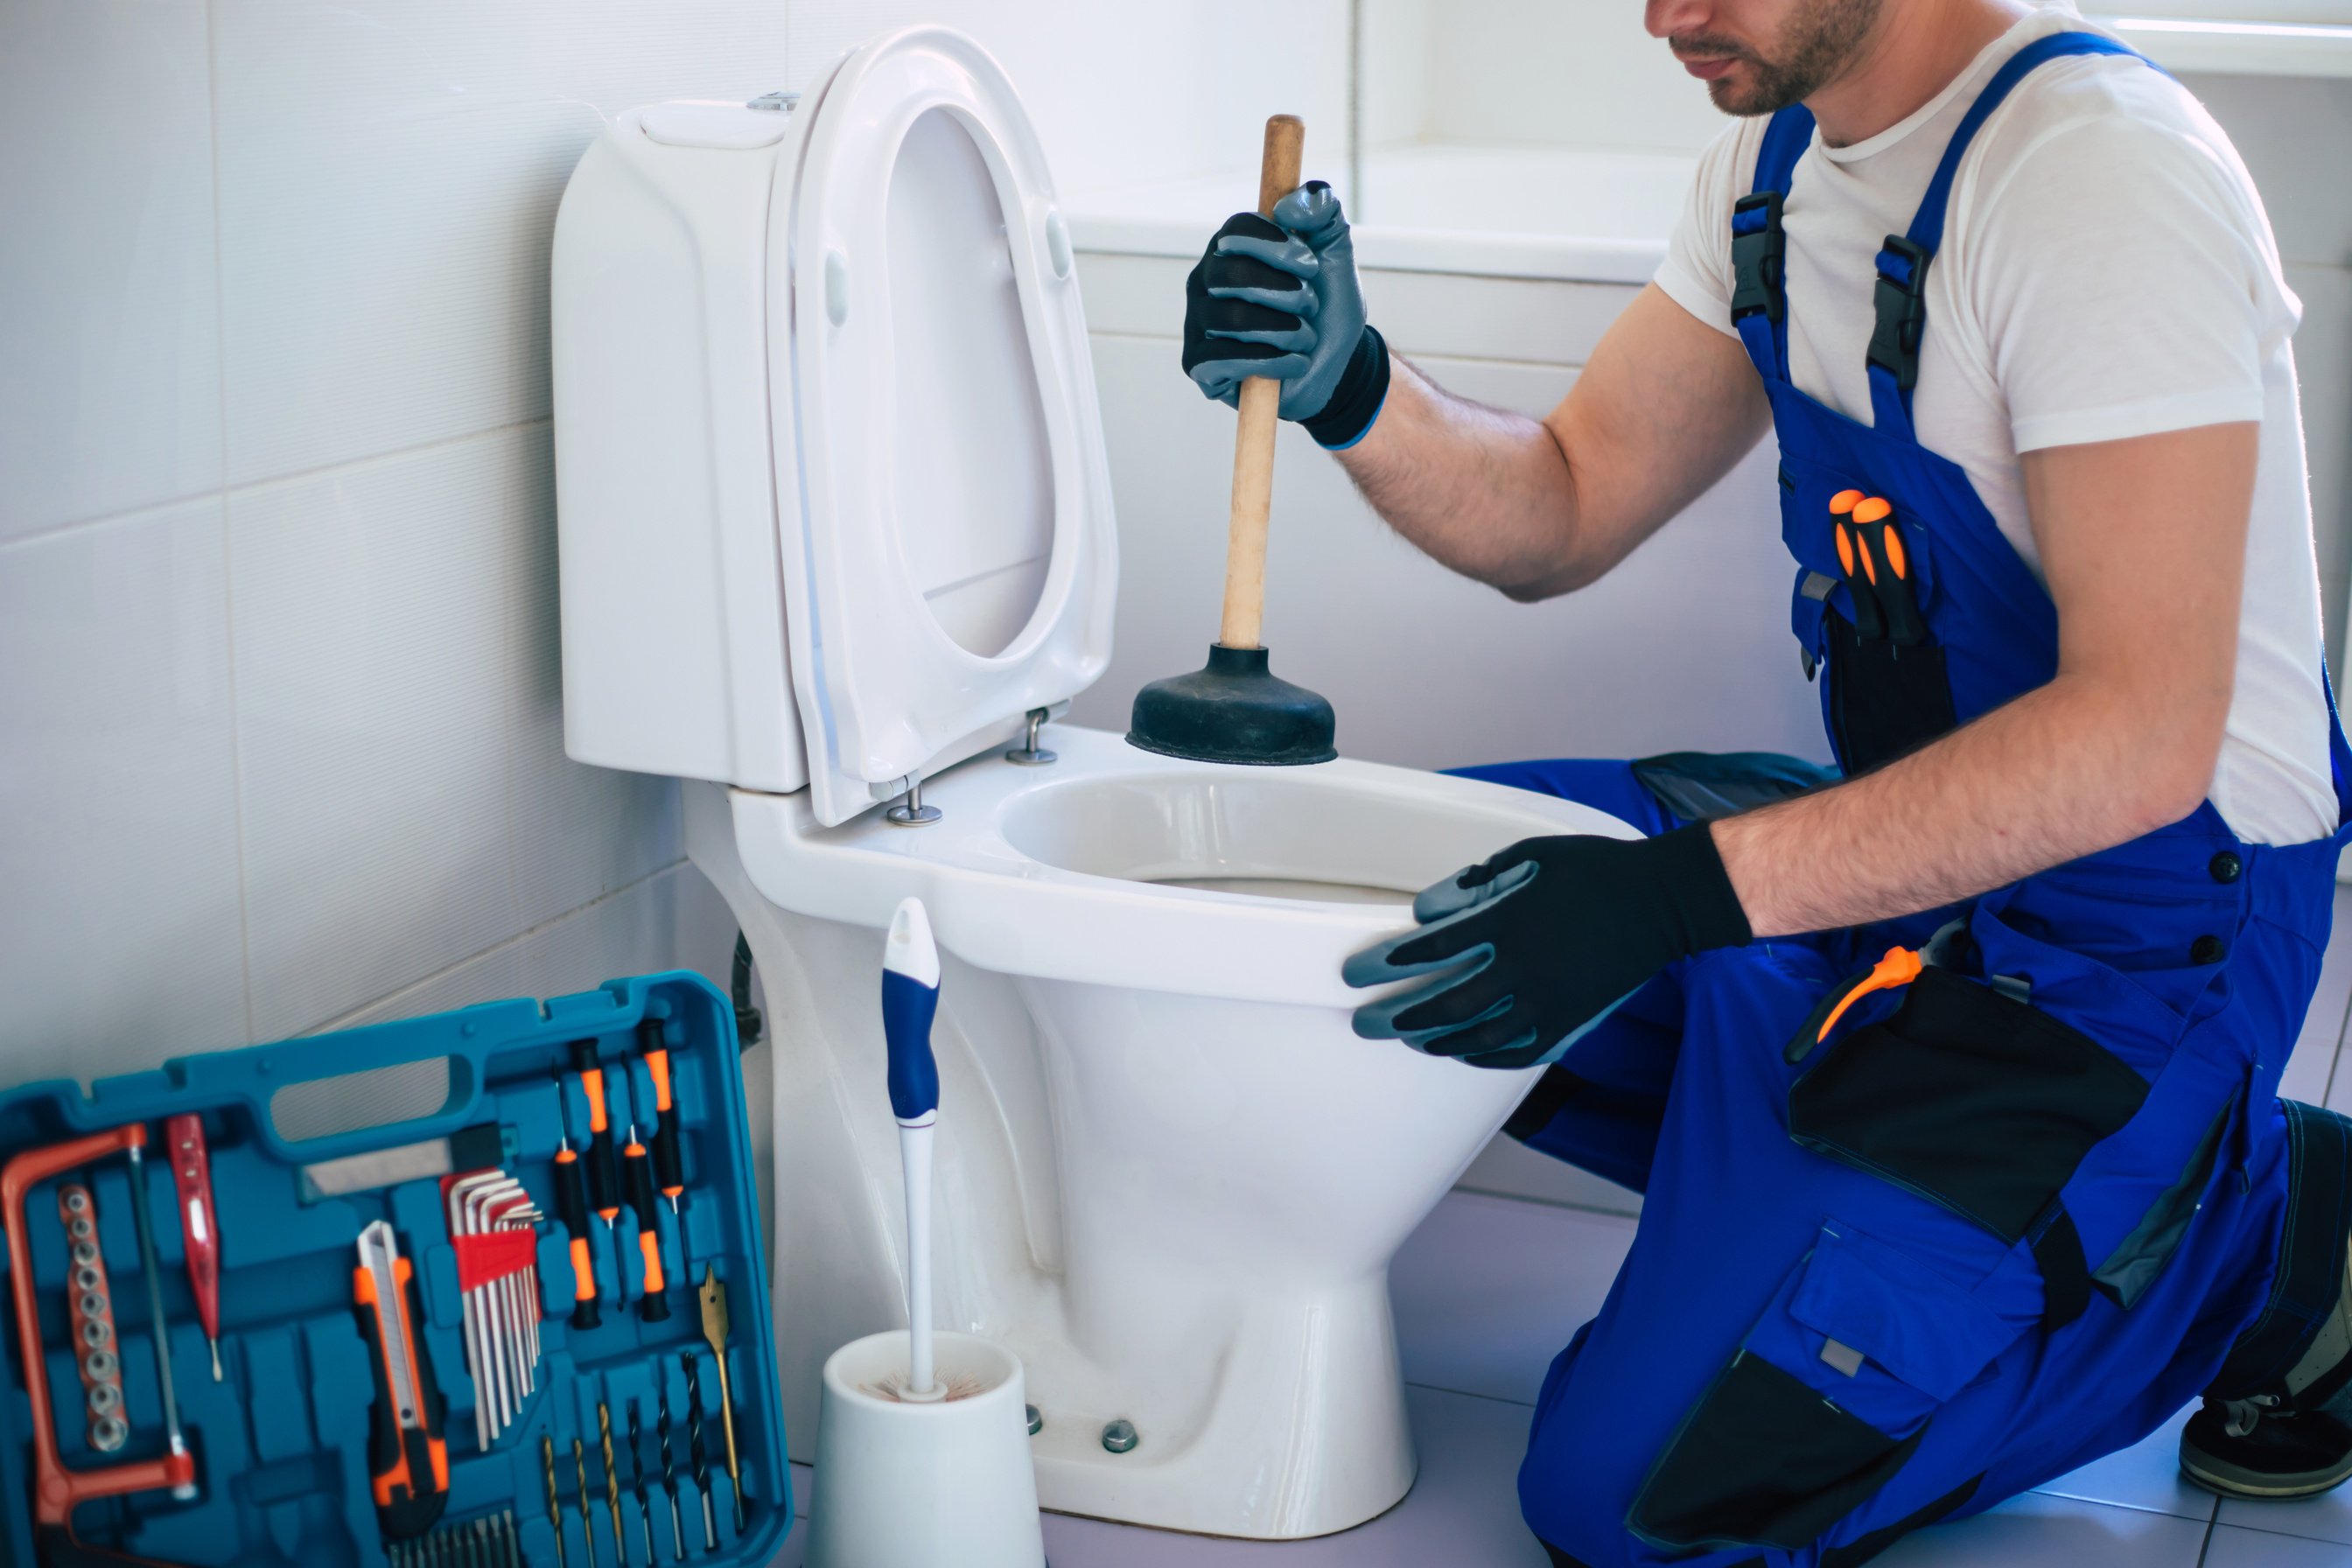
[714,1329]
[695,1456]
[669,1473]
[637,1480]
[611,1484]
[587,1520]
[554,1503]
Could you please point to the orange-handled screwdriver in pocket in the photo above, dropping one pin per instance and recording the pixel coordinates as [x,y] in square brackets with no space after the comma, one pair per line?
[1877,542]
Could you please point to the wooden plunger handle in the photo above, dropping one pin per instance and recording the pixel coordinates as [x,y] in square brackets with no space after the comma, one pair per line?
[1261,403]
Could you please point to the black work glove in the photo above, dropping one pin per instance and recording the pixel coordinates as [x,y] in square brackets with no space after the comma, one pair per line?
[1531,948]
[1280,299]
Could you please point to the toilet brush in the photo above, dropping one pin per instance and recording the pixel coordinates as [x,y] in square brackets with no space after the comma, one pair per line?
[910,998]
[922,1437]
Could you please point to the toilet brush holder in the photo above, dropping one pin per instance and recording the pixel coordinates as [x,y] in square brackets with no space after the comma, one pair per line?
[946,1483]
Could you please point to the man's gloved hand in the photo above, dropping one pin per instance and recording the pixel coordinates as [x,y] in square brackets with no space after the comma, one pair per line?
[1527,950]
[1280,299]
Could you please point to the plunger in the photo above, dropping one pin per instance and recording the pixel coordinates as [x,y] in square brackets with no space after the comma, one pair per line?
[1235,709]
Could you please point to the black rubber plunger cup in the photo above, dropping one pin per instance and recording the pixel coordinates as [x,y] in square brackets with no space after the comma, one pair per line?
[1233,708]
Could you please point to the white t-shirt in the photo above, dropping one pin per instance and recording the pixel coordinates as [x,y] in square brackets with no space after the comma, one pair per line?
[2106,270]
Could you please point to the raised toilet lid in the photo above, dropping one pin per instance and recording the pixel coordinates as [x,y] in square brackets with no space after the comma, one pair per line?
[950,555]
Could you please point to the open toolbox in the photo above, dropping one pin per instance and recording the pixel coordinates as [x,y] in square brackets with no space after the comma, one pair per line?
[444,1339]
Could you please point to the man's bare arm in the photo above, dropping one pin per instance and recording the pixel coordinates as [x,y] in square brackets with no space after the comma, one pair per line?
[2144,545]
[1663,409]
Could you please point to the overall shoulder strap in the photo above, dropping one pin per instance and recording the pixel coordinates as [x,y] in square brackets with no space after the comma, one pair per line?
[1902,312]
[1759,304]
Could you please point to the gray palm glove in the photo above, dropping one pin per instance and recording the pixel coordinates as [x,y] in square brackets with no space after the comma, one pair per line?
[1281,299]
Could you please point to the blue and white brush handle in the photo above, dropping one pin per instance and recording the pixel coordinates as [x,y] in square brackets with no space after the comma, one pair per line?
[910,999]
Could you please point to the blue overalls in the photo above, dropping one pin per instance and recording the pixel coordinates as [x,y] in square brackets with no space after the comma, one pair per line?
[1919,1237]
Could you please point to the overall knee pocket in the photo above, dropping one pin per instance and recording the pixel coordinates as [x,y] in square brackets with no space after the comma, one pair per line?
[1823,1403]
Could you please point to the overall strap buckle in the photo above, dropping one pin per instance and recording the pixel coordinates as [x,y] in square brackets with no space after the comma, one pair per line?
[1902,310]
[1759,256]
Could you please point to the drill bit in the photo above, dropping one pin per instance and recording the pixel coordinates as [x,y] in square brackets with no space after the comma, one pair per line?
[554,1504]
[611,1484]
[714,1329]
[509,1542]
[637,1480]
[669,1474]
[587,1520]
[694,1453]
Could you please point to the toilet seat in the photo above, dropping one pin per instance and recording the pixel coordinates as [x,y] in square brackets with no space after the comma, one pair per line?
[949,554]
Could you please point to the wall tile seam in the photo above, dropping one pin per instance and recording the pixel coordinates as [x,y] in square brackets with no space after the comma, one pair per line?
[377,459]
[227,533]
[343,1020]
[225,494]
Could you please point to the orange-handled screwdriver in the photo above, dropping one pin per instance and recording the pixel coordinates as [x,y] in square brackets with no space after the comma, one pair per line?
[1877,535]
[571,1208]
[654,1305]
[1861,572]
[604,1175]
[669,1171]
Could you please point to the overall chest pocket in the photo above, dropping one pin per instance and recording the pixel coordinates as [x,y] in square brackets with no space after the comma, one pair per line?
[1825,1403]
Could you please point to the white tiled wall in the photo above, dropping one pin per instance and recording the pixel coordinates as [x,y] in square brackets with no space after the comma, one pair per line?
[281,735]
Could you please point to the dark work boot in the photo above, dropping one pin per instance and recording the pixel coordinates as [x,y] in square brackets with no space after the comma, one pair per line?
[2263,1432]
[2242,1450]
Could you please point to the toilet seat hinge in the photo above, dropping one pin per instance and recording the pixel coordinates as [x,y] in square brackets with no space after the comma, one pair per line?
[1028,754]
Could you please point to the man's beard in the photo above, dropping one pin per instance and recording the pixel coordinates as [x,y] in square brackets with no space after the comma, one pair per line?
[1820,36]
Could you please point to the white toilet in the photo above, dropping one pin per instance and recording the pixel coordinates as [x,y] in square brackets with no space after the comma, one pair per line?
[835,522]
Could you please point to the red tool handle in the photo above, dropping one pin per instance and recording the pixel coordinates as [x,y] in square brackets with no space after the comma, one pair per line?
[192,1175]
[57,1490]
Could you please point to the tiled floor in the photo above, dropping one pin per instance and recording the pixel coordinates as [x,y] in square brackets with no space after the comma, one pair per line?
[1490,1287]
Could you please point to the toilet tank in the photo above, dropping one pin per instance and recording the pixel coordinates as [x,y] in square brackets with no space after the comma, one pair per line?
[675,659]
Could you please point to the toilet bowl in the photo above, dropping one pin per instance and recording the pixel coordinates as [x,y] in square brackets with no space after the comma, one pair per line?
[808,569]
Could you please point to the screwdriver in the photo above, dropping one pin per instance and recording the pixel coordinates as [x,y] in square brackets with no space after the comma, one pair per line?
[604,1177]
[667,1166]
[1861,574]
[654,1305]
[192,1175]
[1873,520]
[571,1209]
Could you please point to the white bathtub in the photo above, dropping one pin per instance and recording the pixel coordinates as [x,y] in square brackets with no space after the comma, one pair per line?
[1586,214]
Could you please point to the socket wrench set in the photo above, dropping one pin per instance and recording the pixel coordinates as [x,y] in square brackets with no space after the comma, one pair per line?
[253,1323]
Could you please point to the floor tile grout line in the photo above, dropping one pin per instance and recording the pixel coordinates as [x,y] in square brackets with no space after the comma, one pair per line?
[1470,1393]
[1501,1196]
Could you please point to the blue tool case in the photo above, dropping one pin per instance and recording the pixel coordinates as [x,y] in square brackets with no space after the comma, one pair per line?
[429,1354]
